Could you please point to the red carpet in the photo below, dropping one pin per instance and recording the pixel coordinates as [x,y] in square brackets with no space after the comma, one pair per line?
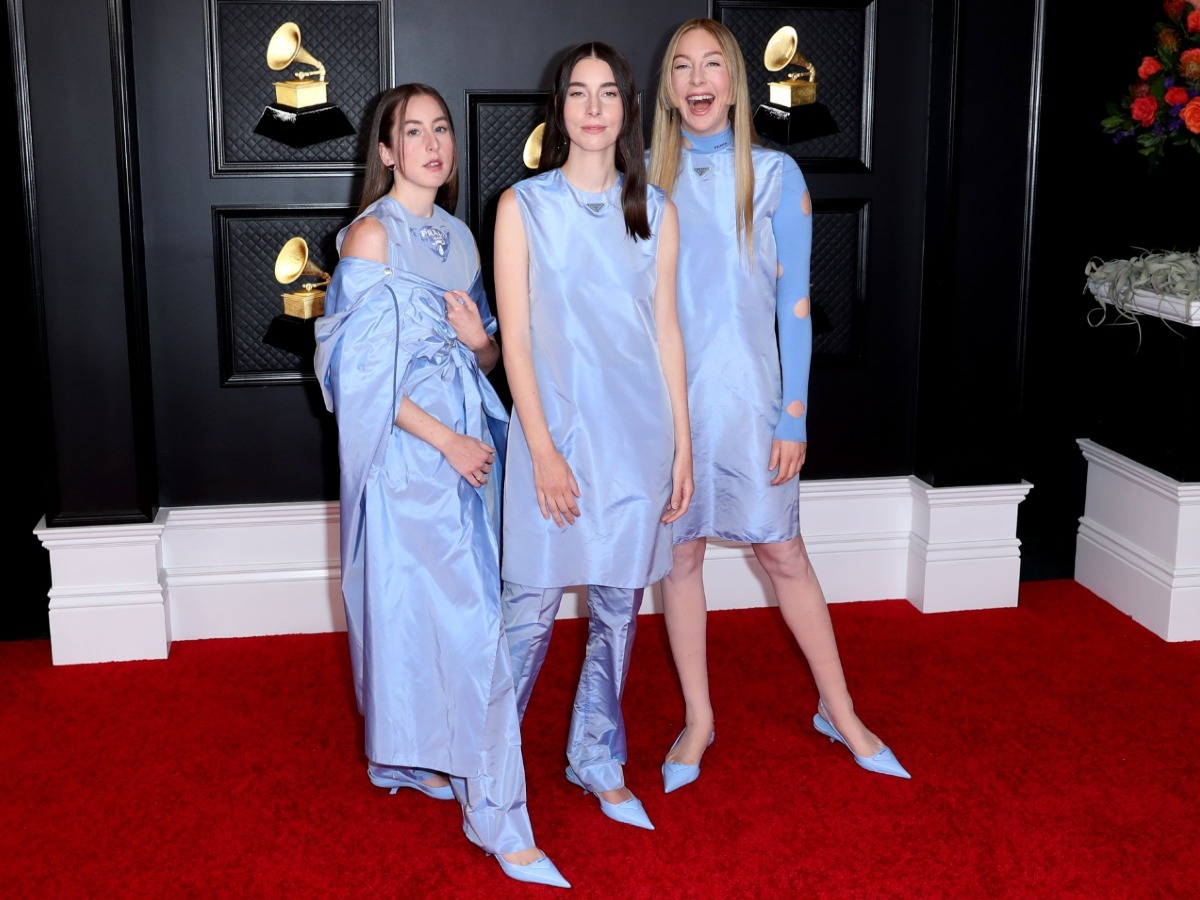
[1052,748]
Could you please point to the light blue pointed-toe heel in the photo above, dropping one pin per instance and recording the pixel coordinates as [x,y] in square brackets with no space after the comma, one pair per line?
[395,778]
[884,762]
[676,775]
[628,812]
[540,871]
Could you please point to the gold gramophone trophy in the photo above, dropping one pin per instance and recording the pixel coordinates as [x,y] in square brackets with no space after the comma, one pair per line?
[793,113]
[301,114]
[293,262]
[532,154]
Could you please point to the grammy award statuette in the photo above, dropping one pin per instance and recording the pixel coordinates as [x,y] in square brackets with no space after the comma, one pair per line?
[301,114]
[793,113]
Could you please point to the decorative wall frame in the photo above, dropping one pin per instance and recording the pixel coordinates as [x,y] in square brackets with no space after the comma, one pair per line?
[246,242]
[838,280]
[838,37]
[352,39]
[498,124]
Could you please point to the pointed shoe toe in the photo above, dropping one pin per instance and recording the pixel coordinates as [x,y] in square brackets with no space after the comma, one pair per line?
[541,871]
[883,763]
[627,812]
[677,775]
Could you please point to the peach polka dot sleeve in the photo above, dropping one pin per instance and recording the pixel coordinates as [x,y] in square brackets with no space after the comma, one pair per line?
[792,226]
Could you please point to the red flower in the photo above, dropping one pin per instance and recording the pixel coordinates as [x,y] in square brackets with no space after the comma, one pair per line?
[1139,89]
[1193,21]
[1143,110]
[1173,8]
[1175,96]
[1191,115]
[1189,64]
[1149,67]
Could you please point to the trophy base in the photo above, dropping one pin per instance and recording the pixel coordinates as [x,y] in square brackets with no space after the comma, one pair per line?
[789,125]
[302,127]
[294,335]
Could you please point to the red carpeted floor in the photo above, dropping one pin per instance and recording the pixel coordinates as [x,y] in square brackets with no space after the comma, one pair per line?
[1052,746]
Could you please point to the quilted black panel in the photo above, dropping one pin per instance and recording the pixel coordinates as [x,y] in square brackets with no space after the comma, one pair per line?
[348,38]
[836,41]
[838,279]
[498,124]
[248,296]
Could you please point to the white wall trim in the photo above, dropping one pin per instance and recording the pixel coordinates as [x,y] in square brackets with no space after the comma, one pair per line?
[1138,545]
[234,571]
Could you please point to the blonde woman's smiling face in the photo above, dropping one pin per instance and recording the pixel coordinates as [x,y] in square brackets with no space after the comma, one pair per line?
[700,83]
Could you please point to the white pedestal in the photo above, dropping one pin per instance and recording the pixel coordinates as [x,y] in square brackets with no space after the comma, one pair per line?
[1138,545]
[107,601]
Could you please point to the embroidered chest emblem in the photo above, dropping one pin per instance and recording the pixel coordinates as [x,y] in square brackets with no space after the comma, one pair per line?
[701,171]
[436,240]
[597,208]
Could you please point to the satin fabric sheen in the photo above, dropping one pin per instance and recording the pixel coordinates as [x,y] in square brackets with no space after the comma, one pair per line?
[420,574]
[595,354]
[727,317]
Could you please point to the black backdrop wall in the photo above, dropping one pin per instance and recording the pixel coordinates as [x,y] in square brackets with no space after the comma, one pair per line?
[977,365]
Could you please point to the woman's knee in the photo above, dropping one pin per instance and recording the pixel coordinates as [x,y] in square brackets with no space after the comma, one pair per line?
[786,559]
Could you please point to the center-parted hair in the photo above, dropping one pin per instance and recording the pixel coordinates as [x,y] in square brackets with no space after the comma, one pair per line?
[666,138]
[630,149]
[392,108]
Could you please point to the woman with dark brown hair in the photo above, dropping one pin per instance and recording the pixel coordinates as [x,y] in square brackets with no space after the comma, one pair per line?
[402,353]
[599,457]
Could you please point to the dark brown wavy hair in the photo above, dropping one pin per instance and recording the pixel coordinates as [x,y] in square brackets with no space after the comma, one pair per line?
[630,155]
[392,108]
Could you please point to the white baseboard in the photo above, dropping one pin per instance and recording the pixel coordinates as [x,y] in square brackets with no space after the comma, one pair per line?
[124,592]
[1138,545]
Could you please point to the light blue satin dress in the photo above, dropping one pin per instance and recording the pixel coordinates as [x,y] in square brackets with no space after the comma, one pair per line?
[727,315]
[595,354]
[419,544]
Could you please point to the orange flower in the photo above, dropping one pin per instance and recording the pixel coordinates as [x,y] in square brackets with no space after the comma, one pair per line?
[1176,95]
[1149,67]
[1189,64]
[1193,21]
[1191,115]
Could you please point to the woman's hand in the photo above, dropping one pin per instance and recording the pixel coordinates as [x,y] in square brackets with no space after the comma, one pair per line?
[682,487]
[463,315]
[470,457]
[788,458]
[556,488]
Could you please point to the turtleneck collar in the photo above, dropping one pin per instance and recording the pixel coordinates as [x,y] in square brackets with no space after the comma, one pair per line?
[722,140]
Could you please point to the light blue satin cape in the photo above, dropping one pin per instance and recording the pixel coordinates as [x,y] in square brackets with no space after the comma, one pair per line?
[420,570]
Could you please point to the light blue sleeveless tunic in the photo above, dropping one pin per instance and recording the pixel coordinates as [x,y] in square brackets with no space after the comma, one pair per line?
[595,355]
[727,317]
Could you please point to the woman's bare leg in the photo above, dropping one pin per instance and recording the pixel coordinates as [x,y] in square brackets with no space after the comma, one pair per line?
[686,612]
[802,603]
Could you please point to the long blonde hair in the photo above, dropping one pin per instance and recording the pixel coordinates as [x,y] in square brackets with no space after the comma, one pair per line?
[667,139]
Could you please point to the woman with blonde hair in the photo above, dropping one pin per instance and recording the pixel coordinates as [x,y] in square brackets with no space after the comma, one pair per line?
[745,223]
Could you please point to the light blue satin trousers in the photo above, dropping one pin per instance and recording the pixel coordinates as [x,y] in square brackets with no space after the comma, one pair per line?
[596,739]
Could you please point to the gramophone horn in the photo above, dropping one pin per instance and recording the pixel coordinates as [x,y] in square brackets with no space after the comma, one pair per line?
[293,261]
[532,154]
[284,48]
[781,50]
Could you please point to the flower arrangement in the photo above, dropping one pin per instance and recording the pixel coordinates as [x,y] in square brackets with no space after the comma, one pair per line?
[1162,108]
